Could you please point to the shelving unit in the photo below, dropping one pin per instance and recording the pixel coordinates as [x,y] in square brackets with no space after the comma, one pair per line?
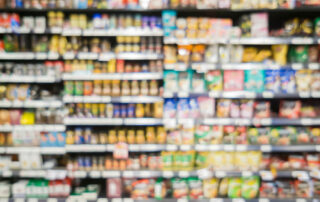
[70,123]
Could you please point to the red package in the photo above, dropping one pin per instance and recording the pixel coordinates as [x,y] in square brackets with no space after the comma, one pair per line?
[297,162]
[290,109]
[140,189]
[302,189]
[114,188]
[262,109]
[233,80]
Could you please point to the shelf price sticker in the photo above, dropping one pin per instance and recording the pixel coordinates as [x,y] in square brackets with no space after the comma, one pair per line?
[247,173]
[116,200]
[204,174]
[183,174]
[216,200]
[318,148]
[301,200]
[109,174]
[267,95]
[182,200]
[238,200]
[266,148]
[128,200]
[32,200]
[220,174]
[102,200]
[95,174]
[266,175]
[167,174]
[121,151]
[172,147]
[264,200]
[315,173]
[18,200]
[301,175]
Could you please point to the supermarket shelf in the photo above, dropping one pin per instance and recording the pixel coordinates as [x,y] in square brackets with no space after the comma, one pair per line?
[110,99]
[113,76]
[170,122]
[96,148]
[112,121]
[204,67]
[246,41]
[79,198]
[198,147]
[42,150]
[123,32]
[243,94]
[31,104]
[80,56]
[202,173]
[39,127]
[28,79]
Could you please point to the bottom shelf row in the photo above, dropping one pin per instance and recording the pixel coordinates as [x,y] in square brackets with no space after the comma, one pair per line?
[235,189]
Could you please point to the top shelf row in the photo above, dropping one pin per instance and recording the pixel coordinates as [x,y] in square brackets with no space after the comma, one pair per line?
[158,5]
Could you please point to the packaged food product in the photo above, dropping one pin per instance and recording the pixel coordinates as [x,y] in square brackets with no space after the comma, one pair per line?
[280,54]
[290,109]
[250,187]
[223,108]
[206,107]
[210,188]
[262,109]
[303,79]
[268,190]
[234,188]
[224,187]
[272,81]
[258,136]
[114,187]
[195,188]
[180,188]
[233,80]
[254,80]
[302,189]
[214,80]
[171,81]
[140,189]
[184,80]
[246,107]
[288,84]
[160,189]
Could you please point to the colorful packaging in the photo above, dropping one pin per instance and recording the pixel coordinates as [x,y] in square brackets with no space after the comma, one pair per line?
[183,108]
[206,107]
[254,80]
[290,109]
[288,84]
[250,187]
[234,189]
[223,108]
[280,54]
[180,188]
[262,109]
[303,79]
[233,80]
[272,81]
[198,83]
[171,81]
[195,188]
[224,187]
[210,188]
[170,108]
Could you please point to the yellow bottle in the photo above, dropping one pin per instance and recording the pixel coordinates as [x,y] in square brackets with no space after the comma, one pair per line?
[139,110]
[140,137]
[122,136]
[151,136]
[112,138]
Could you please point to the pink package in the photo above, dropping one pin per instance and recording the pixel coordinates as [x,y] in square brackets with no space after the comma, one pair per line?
[259,25]
[233,80]
[206,107]
[15,116]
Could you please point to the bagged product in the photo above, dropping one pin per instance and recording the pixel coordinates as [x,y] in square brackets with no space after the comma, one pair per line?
[140,189]
[224,187]
[223,108]
[184,81]
[268,190]
[290,109]
[214,80]
[210,188]
[171,81]
[303,80]
[206,107]
[234,189]
[288,83]
[258,136]
[250,187]
[272,81]
[160,189]
[195,188]
[262,109]
[280,54]
[183,108]
[179,188]
[170,108]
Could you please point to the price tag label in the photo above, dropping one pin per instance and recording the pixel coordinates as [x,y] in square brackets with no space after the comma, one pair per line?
[102,200]
[185,147]
[238,200]
[116,200]
[128,174]
[247,173]
[168,94]
[204,174]
[264,200]
[304,94]
[241,147]
[95,174]
[229,148]
[266,175]
[172,148]
[56,30]
[220,174]
[121,151]
[306,122]
[182,200]
[167,174]
[266,148]
[297,66]
[183,94]
[80,174]
[301,200]
[216,200]
[268,95]
[301,175]
[32,200]
[183,174]
[128,200]
[313,66]
[200,147]
[18,200]
[108,174]
[318,148]
[266,122]
[145,174]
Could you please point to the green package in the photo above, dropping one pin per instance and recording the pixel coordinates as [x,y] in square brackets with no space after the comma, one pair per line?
[234,189]
[250,187]
[254,80]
